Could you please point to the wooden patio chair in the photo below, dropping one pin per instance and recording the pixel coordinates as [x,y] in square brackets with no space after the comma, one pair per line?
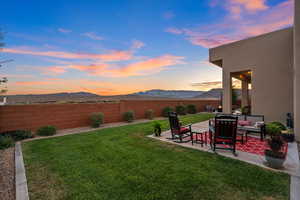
[178,131]
[224,133]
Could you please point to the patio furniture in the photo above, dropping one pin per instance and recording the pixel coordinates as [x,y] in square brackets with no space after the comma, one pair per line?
[224,132]
[252,124]
[178,131]
[200,137]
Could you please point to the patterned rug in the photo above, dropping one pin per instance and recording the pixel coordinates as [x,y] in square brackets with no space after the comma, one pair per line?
[253,145]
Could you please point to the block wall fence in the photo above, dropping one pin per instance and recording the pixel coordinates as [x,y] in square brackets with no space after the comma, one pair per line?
[31,117]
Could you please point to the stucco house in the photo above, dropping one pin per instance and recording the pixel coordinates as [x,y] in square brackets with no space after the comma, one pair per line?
[271,64]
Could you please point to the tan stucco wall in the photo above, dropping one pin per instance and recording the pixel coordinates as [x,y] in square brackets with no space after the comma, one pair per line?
[270,57]
[297,69]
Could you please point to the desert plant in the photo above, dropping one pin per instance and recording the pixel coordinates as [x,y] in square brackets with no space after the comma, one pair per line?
[6,142]
[46,131]
[166,110]
[191,109]
[128,116]
[96,119]
[180,110]
[157,128]
[149,114]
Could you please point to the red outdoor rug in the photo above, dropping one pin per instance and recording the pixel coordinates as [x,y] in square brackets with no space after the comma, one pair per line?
[253,145]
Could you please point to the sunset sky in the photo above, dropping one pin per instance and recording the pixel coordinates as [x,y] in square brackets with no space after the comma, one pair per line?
[113,47]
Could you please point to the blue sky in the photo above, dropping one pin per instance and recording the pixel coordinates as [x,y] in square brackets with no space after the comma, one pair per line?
[119,47]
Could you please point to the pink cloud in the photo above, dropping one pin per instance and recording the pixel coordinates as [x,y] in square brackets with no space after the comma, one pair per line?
[247,25]
[55,70]
[112,56]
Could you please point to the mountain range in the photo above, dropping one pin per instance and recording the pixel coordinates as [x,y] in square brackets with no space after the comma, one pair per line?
[86,97]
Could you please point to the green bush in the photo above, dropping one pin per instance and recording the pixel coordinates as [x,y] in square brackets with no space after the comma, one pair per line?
[191,109]
[96,119]
[21,134]
[18,134]
[6,142]
[46,131]
[128,116]
[149,114]
[180,110]
[273,129]
[279,124]
[166,110]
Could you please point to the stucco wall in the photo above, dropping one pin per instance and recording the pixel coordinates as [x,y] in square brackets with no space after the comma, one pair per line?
[297,69]
[77,115]
[270,57]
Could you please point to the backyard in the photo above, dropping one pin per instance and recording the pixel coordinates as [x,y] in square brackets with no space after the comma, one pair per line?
[123,163]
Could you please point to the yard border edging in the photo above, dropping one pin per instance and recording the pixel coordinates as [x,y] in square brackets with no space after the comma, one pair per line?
[20,175]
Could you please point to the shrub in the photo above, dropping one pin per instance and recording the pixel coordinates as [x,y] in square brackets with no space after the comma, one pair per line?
[46,131]
[157,128]
[128,116]
[166,110]
[149,114]
[96,119]
[279,124]
[21,135]
[273,129]
[6,142]
[191,109]
[181,110]
[18,134]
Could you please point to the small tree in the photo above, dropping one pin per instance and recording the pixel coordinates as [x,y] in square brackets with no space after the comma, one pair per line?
[3,79]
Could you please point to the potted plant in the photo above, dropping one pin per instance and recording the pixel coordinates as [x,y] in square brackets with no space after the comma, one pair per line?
[157,128]
[274,156]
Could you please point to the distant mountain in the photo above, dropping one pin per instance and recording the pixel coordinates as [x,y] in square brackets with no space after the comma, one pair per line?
[211,94]
[170,93]
[50,98]
[216,94]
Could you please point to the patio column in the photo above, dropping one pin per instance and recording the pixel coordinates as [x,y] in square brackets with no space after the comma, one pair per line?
[297,70]
[227,92]
[245,93]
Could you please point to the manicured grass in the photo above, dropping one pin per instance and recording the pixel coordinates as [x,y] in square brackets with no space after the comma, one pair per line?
[121,163]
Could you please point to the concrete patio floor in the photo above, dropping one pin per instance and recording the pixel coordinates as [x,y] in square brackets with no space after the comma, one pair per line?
[291,165]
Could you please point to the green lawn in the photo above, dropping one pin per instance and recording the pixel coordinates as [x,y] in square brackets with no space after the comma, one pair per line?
[121,163]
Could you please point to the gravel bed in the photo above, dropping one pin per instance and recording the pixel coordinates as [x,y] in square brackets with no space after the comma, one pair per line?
[7,174]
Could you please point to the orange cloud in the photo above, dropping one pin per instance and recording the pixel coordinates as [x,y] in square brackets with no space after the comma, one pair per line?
[146,67]
[112,56]
[55,70]
[234,28]
[250,5]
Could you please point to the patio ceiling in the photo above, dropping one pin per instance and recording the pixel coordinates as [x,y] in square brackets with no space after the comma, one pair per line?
[242,75]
